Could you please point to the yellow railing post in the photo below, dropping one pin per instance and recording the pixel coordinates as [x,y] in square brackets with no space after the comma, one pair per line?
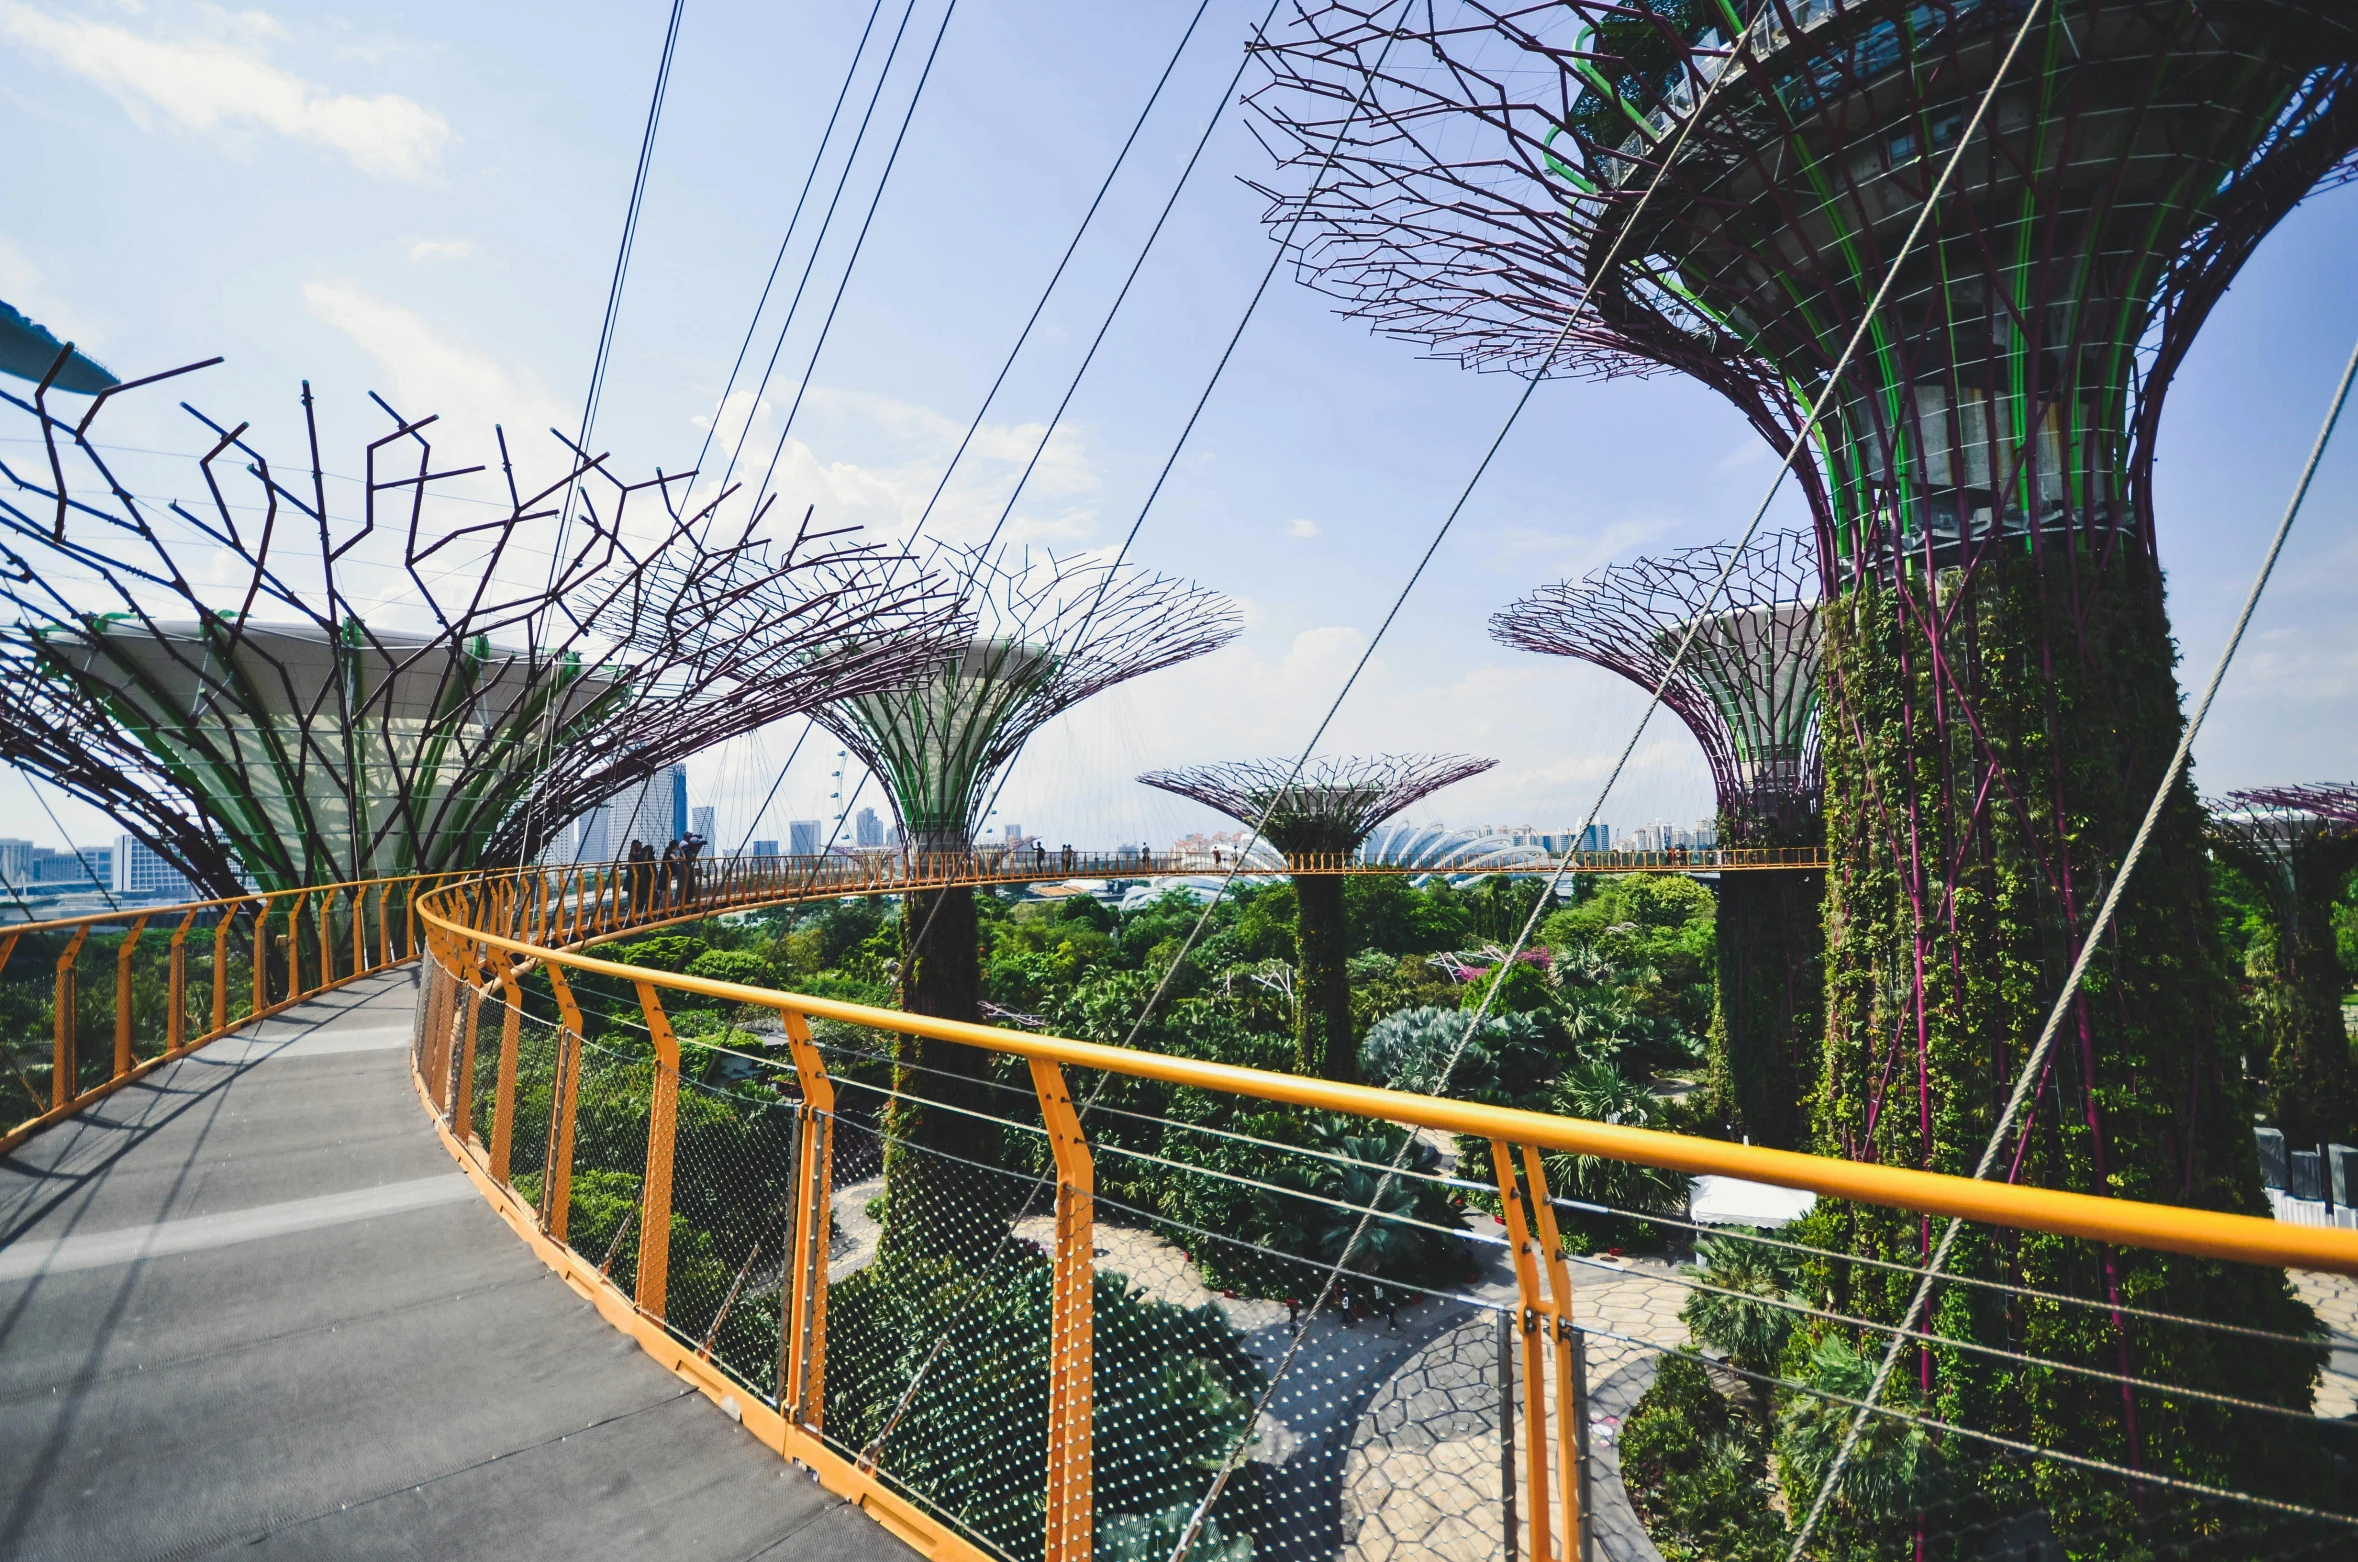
[802,1341]
[1547,1350]
[655,1192]
[503,1100]
[556,1173]
[295,987]
[462,1101]
[359,930]
[176,984]
[1071,1326]
[441,1000]
[327,940]
[221,970]
[61,1079]
[123,997]
[261,955]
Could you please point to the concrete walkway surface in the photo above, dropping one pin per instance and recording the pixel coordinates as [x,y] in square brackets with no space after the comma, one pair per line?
[250,1304]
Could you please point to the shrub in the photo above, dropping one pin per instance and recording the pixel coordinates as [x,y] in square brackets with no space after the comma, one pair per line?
[1696,1470]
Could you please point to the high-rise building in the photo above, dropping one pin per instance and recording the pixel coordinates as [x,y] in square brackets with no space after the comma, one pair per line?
[16,862]
[82,866]
[138,871]
[804,837]
[867,829]
[700,821]
[765,848]
[593,838]
[652,813]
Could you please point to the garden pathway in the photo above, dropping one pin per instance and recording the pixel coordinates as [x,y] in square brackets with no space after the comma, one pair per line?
[249,1304]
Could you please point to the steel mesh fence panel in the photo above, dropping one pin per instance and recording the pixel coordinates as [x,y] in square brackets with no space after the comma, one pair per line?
[610,1126]
[938,1349]
[532,1117]
[733,1204]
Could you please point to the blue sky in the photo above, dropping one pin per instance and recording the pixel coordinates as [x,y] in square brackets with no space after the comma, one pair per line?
[424,200]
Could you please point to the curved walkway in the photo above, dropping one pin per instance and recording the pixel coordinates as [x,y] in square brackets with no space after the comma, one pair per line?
[247,1303]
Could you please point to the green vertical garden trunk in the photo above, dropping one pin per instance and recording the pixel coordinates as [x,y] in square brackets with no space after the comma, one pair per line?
[1323,1044]
[1767,1031]
[939,1201]
[1972,825]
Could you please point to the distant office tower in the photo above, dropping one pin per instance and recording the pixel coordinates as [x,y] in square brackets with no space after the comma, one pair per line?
[137,870]
[765,848]
[654,813]
[803,837]
[76,865]
[700,821]
[16,862]
[867,829]
[593,839]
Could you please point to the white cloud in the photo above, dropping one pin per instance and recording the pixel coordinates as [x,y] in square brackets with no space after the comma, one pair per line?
[1301,526]
[23,286]
[441,249]
[894,454]
[427,373]
[226,83]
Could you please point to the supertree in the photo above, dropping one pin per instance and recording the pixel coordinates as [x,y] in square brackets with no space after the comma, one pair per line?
[1319,817]
[2298,846]
[1046,633]
[268,691]
[1748,690]
[1601,186]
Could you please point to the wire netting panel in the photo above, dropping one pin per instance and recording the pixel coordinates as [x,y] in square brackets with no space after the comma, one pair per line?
[610,1124]
[532,1121]
[1321,1274]
[2037,1408]
[938,1346]
[733,1204]
[480,1070]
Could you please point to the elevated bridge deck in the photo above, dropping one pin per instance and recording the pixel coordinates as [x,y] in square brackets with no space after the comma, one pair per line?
[248,1304]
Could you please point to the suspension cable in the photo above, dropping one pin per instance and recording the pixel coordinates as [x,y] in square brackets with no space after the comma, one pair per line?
[818,157]
[851,263]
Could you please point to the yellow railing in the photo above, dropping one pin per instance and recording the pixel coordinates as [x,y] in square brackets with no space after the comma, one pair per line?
[298,944]
[488,936]
[584,902]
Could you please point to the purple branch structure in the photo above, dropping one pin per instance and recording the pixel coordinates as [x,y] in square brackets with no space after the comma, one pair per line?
[1318,817]
[269,688]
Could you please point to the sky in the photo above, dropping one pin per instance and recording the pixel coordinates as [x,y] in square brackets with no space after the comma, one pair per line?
[425,200]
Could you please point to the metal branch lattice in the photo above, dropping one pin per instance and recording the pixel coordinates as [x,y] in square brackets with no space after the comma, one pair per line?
[271,733]
[1043,635]
[1748,688]
[2334,800]
[2284,837]
[2029,343]
[1330,807]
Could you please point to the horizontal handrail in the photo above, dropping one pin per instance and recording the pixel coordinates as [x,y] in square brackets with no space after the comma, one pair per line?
[333,960]
[164,909]
[2163,1227]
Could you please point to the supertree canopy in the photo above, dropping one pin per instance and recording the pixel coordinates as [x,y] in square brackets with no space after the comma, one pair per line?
[1044,634]
[2298,846]
[264,690]
[1747,689]
[1605,186]
[1318,817]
